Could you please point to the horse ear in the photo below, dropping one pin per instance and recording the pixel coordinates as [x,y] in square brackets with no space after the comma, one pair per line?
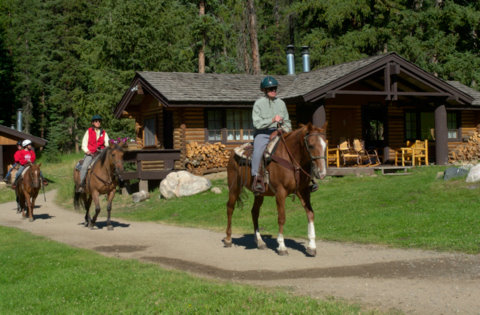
[324,127]
[301,125]
[39,164]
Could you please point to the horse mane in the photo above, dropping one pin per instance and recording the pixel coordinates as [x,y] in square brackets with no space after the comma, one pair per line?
[103,154]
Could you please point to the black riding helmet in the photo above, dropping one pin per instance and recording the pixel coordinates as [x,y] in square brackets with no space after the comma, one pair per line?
[96,117]
[268,82]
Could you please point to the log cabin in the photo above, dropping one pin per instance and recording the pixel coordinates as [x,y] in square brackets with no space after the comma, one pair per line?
[384,100]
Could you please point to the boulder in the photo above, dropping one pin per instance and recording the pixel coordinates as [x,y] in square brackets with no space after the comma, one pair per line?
[216,190]
[474,174]
[140,196]
[183,183]
[454,172]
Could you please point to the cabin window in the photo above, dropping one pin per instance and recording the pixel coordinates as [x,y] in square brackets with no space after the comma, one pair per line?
[214,125]
[239,125]
[232,125]
[149,132]
[421,125]
[453,126]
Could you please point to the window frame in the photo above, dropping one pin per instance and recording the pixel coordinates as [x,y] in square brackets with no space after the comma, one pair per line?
[225,132]
[418,124]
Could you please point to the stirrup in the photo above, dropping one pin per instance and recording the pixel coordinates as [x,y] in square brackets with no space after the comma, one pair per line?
[313,187]
[258,186]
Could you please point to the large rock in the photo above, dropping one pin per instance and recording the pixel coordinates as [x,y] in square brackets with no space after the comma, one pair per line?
[455,172]
[183,183]
[474,174]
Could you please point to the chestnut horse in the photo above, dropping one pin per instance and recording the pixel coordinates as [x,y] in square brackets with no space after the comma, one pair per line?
[300,154]
[102,178]
[27,189]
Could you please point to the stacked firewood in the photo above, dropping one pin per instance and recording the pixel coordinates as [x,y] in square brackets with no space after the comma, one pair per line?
[467,152]
[201,157]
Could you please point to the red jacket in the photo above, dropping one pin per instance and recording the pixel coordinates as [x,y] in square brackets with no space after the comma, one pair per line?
[93,143]
[17,156]
[27,156]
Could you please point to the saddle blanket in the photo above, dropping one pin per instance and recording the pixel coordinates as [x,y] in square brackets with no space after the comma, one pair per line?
[245,151]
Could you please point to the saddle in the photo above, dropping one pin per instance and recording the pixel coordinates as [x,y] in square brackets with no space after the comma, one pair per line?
[79,164]
[245,151]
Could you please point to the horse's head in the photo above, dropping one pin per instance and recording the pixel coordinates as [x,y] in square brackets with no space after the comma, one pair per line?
[316,145]
[116,156]
[34,173]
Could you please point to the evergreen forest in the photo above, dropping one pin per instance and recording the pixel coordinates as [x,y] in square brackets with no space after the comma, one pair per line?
[62,61]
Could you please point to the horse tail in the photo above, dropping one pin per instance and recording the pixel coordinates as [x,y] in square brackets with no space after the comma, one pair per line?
[77,200]
[238,179]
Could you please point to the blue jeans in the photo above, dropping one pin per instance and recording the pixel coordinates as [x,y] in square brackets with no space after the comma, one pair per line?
[259,144]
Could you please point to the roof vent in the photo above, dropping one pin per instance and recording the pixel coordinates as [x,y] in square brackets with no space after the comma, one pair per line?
[305,59]
[290,60]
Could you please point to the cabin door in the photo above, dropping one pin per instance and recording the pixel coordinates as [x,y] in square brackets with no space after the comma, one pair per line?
[342,124]
[374,117]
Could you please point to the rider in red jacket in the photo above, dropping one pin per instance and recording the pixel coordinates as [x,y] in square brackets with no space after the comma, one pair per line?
[26,156]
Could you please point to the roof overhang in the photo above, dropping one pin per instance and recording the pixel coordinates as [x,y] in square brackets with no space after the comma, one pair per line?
[18,135]
[394,70]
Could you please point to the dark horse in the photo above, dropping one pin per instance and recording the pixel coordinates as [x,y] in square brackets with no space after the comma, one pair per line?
[102,178]
[27,190]
[300,154]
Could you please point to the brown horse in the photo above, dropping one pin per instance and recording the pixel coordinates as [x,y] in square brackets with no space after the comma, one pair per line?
[27,190]
[299,155]
[102,178]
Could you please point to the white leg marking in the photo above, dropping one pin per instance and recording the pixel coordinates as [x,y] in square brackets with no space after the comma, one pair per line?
[323,170]
[281,243]
[311,236]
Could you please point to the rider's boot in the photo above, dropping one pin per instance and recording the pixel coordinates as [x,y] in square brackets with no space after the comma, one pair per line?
[81,188]
[14,185]
[258,186]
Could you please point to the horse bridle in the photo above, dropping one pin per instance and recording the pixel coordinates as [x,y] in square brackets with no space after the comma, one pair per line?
[313,157]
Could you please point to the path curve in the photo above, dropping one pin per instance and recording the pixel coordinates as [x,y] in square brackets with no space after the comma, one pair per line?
[413,281]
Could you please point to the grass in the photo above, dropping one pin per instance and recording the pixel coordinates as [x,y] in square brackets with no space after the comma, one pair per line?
[414,211]
[44,277]
[417,211]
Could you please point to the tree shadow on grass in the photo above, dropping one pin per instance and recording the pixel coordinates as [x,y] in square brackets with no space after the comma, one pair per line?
[248,242]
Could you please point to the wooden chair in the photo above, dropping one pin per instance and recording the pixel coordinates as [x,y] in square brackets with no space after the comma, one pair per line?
[333,156]
[420,152]
[415,153]
[347,153]
[367,157]
[404,154]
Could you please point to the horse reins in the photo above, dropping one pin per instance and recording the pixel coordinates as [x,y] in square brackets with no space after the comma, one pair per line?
[294,165]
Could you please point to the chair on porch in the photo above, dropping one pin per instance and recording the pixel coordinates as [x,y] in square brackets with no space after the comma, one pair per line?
[404,154]
[347,153]
[367,157]
[333,156]
[420,152]
[415,153]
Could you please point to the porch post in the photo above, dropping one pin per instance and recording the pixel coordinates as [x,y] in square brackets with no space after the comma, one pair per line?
[1,163]
[441,135]
[319,117]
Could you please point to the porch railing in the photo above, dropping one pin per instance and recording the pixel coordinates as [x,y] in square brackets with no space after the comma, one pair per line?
[151,164]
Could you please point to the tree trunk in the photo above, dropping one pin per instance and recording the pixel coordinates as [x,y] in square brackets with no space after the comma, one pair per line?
[201,53]
[252,21]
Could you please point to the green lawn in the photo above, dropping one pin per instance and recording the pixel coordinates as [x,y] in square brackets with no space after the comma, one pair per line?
[415,210]
[44,277]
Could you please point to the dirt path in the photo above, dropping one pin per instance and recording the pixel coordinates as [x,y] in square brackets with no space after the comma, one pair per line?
[413,281]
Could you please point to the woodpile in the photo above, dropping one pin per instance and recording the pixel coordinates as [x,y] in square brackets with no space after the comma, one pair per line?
[201,157]
[467,152]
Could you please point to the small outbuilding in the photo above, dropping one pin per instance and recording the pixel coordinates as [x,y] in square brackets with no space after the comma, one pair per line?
[8,145]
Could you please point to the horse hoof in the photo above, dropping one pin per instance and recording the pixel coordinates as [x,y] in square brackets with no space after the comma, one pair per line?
[283,252]
[262,246]
[311,252]
[227,243]
[30,219]
[110,228]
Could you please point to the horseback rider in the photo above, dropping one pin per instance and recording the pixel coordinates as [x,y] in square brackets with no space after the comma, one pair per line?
[16,158]
[268,112]
[94,140]
[26,156]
